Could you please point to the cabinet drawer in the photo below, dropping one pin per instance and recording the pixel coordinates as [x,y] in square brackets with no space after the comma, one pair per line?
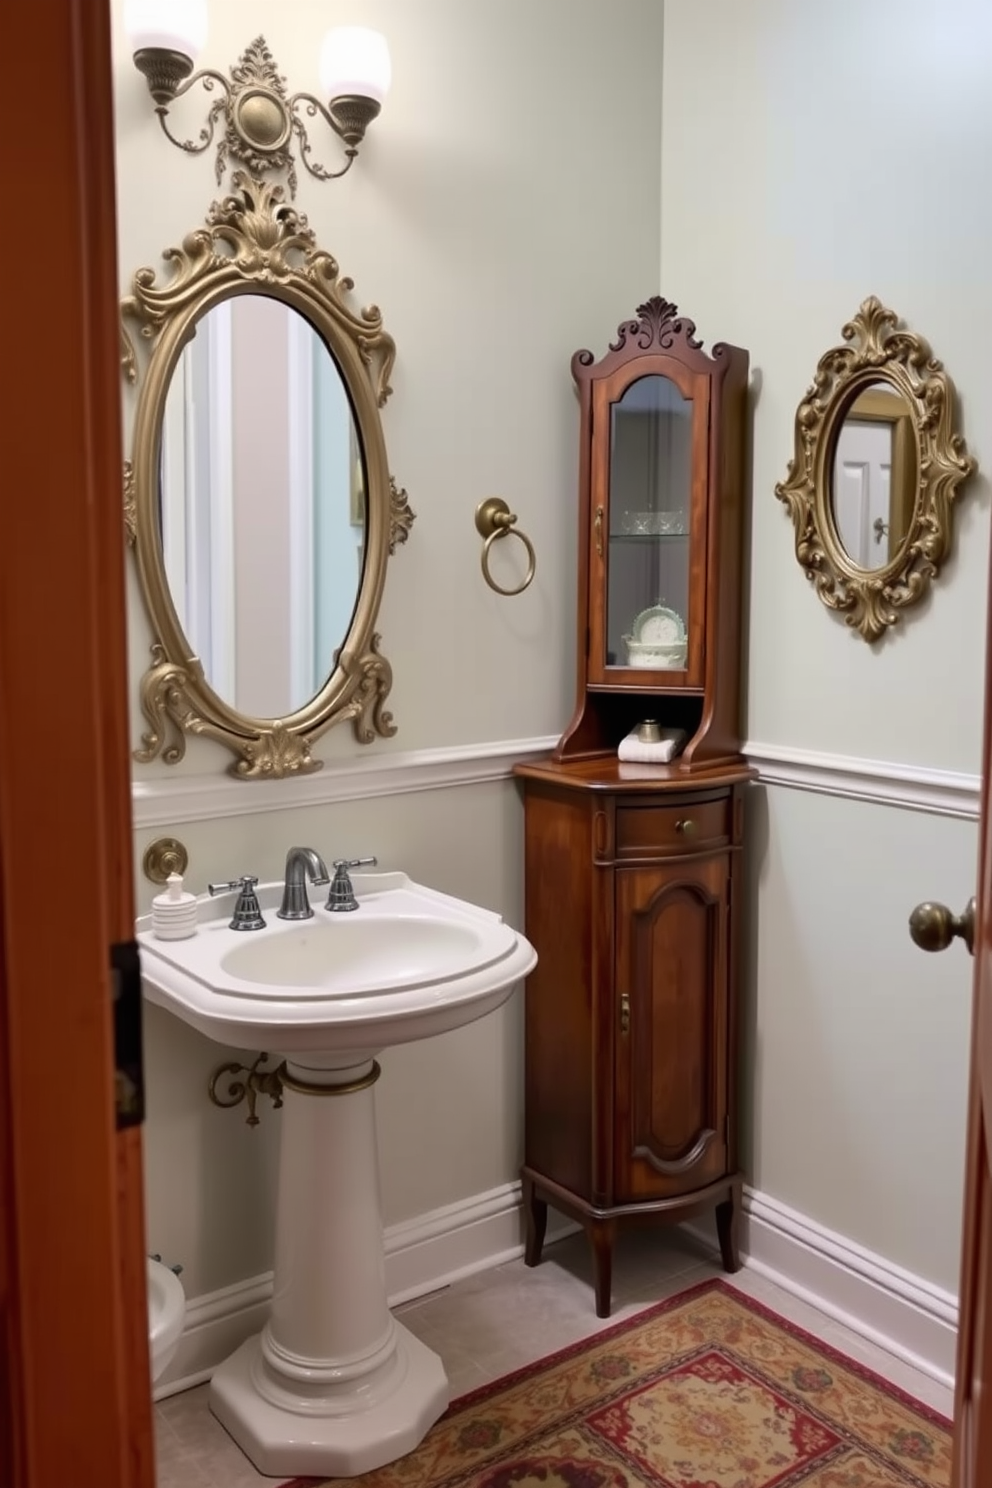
[642,830]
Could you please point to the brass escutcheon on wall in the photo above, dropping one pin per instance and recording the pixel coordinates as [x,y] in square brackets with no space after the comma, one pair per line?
[164,856]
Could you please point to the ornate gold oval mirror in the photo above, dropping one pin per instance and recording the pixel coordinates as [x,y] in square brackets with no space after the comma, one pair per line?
[877,465]
[259,499]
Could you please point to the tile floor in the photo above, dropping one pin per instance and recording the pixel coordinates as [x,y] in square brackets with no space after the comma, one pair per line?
[499,1320]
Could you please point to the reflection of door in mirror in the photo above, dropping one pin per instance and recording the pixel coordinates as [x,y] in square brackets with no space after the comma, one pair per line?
[874,477]
[650,499]
[262,559]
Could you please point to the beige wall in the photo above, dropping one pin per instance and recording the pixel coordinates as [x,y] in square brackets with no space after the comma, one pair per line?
[812,155]
[503,212]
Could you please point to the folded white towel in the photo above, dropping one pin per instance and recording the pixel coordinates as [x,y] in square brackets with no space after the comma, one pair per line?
[656,753]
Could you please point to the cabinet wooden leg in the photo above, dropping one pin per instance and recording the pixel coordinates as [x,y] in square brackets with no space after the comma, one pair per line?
[536,1218]
[728,1227]
[602,1234]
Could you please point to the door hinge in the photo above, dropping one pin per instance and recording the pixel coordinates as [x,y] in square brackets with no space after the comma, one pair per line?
[129,1070]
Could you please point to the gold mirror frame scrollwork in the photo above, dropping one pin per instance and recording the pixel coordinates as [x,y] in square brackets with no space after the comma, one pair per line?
[254,242]
[877,351]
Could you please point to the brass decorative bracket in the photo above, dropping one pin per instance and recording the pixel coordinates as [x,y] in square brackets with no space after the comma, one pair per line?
[272,1082]
[259,1082]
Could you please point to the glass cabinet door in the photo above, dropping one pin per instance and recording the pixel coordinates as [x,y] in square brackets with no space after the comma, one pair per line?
[647,605]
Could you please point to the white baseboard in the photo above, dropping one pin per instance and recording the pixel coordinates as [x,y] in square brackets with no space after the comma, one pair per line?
[901,1313]
[216,1324]
[440,1248]
[909,1317]
[422,1255]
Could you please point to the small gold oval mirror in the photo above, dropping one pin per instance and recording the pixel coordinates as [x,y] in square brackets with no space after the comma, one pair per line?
[259,499]
[877,465]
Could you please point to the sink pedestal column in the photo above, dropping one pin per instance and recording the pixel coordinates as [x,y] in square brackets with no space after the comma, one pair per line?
[333,1386]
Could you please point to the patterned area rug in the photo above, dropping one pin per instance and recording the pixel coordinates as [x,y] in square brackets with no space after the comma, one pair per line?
[706,1390]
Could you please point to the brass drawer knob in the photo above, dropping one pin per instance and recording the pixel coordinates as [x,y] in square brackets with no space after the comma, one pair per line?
[685,827]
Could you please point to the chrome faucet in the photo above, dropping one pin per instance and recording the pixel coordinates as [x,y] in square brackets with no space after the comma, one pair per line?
[342,895]
[301,863]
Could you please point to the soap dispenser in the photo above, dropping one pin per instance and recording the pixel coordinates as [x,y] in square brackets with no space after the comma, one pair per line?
[174,913]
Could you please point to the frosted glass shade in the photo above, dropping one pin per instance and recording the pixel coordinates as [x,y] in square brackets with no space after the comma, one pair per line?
[175,25]
[355,61]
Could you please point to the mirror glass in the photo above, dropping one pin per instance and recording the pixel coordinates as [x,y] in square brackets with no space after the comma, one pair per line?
[649,501]
[874,476]
[262,510]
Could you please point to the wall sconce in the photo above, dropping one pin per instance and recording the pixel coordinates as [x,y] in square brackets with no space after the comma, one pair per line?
[259,117]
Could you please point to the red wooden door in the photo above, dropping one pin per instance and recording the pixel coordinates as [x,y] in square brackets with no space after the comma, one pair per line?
[973,1395]
[75,1398]
[973,1387]
[934,927]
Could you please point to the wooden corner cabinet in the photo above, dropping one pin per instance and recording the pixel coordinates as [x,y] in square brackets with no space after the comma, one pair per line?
[633,865]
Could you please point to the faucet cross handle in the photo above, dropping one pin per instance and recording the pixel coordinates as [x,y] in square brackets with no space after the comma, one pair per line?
[342,895]
[247,914]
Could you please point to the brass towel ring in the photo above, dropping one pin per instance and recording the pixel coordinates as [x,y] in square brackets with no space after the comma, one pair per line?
[494,519]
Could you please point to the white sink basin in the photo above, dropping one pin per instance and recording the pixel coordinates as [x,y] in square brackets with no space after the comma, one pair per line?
[408,963]
[343,955]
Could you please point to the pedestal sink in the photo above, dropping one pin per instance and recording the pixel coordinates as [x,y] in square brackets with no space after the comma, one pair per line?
[333,1386]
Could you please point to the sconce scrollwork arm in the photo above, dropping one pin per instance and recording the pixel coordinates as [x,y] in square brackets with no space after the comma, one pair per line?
[347,117]
[207,77]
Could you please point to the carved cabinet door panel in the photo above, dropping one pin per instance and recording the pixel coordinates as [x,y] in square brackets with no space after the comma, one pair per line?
[672,1027]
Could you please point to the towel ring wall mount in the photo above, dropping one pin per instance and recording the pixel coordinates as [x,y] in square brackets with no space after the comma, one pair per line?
[494,520]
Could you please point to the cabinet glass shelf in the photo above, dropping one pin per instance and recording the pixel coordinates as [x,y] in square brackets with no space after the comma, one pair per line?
[648,537]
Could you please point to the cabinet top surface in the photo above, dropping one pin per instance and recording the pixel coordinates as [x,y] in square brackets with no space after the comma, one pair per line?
[604,772]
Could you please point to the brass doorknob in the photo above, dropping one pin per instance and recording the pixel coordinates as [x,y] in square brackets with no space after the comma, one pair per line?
[933,926]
